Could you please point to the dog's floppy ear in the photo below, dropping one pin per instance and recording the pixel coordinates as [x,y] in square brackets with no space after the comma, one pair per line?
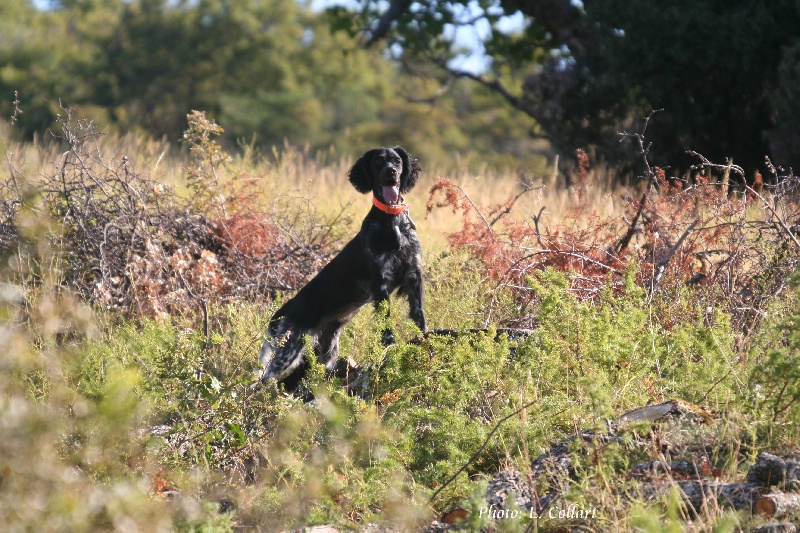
[411,170]
[361,173]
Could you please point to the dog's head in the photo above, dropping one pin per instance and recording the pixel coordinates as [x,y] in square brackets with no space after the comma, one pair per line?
[387,172]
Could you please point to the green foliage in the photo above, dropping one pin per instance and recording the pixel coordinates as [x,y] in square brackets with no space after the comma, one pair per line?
[332,455]
[476,502]
[190,406]
[616,342]
[70,461]
[775,378]
[663,54]
[272,72]
[664,520]
[586,72]
[783,137]
[586,362]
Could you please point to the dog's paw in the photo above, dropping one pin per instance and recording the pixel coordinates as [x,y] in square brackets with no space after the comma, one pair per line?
[388,338]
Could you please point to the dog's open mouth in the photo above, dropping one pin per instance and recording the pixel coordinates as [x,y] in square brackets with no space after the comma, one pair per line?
[391,194]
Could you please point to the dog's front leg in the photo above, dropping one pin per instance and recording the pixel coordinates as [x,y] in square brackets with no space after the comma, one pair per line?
[380,294]
[416,299]
[387,339]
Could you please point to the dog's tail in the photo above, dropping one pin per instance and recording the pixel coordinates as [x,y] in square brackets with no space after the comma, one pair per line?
[282,350]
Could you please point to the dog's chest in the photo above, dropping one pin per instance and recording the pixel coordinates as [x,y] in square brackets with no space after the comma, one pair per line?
[395,237]
[393,248]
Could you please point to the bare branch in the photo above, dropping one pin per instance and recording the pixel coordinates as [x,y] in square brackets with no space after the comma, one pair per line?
[475,207]
[527,188]
[576,255]
[705,163]
[480,450]
[493,84]
[536,220]
[789,233]
[397,8]
[662,265]
[644,150]
[626,239]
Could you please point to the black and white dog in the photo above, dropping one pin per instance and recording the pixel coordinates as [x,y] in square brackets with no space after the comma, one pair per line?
[383,257]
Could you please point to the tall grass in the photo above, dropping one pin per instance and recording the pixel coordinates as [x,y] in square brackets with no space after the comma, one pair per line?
[322,178]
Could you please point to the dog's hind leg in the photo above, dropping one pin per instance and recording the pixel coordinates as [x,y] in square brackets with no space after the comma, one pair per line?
[293,379]
[282,351]
[326,345]
[326,348]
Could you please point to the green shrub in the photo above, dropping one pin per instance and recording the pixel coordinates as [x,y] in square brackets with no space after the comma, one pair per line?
[775,378]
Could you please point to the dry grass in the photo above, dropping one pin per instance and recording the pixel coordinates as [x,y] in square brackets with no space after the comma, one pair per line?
[322,178]
[548,191]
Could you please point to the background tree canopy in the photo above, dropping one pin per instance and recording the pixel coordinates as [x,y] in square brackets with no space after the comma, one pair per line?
[725,72]
[269,71]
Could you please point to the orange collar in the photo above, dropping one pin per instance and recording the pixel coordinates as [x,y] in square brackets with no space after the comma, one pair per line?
[390,209]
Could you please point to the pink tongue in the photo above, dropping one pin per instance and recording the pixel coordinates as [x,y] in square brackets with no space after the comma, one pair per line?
[391,194]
